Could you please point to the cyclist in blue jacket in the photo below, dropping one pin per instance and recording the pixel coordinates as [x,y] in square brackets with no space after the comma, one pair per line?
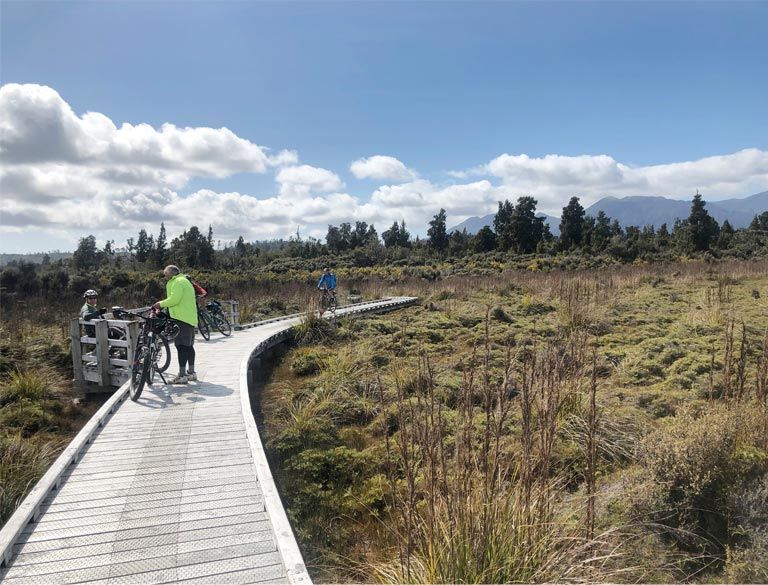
[327,281]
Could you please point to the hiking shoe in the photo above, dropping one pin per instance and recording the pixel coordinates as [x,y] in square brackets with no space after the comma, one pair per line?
[192,376]
[180,379]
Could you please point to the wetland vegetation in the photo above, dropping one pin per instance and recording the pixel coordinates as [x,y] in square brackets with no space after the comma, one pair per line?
[590,407]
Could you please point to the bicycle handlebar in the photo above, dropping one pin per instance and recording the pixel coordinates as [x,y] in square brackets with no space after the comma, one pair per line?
[117,312]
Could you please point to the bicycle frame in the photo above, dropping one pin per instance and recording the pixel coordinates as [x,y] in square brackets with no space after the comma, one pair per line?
[146,339]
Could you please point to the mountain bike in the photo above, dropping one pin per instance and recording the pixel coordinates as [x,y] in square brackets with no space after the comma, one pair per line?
[218,317]
[152,353]
[204,324]
[328,301]
[212,316]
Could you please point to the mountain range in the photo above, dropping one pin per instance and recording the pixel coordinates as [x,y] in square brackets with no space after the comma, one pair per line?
[650,210]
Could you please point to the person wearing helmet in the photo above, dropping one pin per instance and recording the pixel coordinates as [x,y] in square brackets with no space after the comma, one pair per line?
[89,310]
[327,281]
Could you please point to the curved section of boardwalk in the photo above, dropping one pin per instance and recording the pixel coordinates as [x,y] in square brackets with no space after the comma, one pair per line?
[172,489]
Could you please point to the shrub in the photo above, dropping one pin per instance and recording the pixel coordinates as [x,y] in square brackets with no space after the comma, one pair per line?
[500,315]
[695,464]
[747,560]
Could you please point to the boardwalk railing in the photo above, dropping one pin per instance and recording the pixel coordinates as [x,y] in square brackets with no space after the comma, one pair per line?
[102,349]
[137,463]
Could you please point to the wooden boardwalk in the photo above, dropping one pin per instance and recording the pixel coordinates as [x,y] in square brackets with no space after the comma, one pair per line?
[174,488]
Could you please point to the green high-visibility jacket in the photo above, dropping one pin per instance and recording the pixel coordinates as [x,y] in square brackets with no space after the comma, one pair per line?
[180,299]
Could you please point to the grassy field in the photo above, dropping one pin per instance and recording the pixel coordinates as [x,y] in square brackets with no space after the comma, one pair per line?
[605,425]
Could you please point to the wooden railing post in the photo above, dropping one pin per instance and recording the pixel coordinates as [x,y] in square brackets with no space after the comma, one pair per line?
[77,351]
[131,335]
[102,351]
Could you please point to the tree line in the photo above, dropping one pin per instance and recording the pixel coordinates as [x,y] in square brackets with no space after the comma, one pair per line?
[516,229]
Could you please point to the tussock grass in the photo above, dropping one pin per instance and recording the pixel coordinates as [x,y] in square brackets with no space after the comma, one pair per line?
[22,463]
[314,329]
[24,385]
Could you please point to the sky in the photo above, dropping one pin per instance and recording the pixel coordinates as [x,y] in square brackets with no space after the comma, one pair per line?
[262,119]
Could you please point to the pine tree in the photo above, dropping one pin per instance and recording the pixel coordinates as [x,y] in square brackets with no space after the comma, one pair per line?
[485,240]
[725,236]
[437,232]
[601,234]
[160,253]
[391,236]
[404,237]
[702,227]
[502,225]
[144,246]
[572,225]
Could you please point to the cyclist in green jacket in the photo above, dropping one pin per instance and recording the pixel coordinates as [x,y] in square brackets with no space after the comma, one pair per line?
[180,301]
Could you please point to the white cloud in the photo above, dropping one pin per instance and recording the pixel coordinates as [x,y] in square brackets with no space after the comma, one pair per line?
[552,179]
[61,173]
[382,168]
[38,126]
[299,182]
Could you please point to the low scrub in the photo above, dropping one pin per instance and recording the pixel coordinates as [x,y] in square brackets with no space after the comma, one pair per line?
[696,464]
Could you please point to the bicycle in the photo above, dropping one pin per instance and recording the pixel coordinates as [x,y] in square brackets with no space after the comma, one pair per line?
[152,353]
[219,318]
[328,301]
[212,316]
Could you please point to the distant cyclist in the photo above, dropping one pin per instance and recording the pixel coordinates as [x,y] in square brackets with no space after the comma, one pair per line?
[327,281]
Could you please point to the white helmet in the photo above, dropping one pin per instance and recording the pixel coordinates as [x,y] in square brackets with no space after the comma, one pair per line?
[90,293]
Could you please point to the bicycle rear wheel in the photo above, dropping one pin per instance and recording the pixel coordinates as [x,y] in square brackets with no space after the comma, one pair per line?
[222,324]
[332,304]
[140,372]
[203,327]
[162,353]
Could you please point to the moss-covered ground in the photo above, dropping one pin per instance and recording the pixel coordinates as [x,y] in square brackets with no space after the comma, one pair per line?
[679,351]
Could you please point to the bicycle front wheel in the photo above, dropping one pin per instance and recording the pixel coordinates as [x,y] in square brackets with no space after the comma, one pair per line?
[162,354]
[222,324]
[203,327]
[332,304]
[140,372]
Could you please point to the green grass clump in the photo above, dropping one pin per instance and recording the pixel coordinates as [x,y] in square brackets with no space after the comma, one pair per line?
[314,329]
[306,363]
[22,463]
[24,385]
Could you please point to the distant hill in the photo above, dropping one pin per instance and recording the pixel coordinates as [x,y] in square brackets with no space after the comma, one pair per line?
[650,210]
[642,211]
[34,258]
[473,224]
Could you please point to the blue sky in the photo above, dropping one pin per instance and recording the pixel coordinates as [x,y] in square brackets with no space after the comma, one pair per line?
[445,88]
